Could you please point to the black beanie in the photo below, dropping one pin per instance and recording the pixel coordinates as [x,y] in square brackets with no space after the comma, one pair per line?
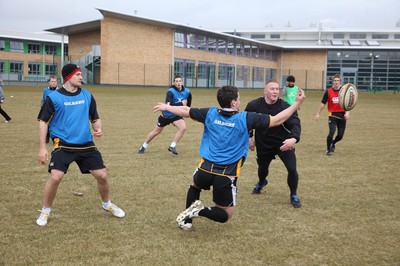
[69,70]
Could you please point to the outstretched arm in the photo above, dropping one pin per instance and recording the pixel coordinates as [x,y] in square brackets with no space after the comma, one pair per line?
[177,110]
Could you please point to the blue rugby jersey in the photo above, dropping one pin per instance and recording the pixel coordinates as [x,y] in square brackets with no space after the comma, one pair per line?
[177,98]
[46,92]
[225,138]
[68,115]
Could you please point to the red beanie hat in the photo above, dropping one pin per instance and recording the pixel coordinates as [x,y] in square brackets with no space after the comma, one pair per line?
[69,70]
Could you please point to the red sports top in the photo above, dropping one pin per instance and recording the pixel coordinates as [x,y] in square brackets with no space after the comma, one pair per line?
[332,98]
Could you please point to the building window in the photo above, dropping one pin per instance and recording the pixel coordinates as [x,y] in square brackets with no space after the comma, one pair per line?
[16,47]
[231,48]
[247,50]
[16,67]
[33,48]
[212,44]
[397,36]
[51,69]
[338,36]
[2,66]
[380,36]
[270,74]
[2,45]
[257,36]
[258,74]
[33,68]
[275,36]
[50,49]
[222,47]
[358,36]
[179,39]
[201,42]
[190,41]
[202,70]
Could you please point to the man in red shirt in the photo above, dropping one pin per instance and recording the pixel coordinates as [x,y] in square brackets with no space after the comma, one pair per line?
[337,116]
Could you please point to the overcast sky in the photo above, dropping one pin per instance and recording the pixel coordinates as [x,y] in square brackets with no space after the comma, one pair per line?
[38,15]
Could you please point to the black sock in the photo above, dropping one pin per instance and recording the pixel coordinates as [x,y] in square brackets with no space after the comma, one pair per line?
[192,195]
[215,213]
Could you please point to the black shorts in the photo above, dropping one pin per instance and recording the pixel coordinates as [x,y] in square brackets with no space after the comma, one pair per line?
[224,188]
[164,121]
[87,159]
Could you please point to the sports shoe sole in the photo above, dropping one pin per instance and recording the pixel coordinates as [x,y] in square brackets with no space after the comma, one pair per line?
[185,226]
[188,213]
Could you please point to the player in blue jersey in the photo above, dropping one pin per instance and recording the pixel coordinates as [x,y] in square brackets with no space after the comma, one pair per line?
[46,91]
[223,150]
[177,95]
[52,87]
[65,113]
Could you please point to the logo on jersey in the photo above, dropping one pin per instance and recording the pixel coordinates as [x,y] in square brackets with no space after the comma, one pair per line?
[222,123]
[75,103]
[335,99]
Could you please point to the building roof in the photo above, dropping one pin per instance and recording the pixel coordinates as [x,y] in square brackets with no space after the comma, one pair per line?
[33,36]
[325,38]
[93,25]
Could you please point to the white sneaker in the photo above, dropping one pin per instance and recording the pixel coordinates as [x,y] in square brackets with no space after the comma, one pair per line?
[185,226]
[115,210]
[192,211]
[42,220]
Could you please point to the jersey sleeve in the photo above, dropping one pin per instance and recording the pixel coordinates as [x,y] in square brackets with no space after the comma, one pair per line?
[93,115]
[199,114]
[169,97]
[258,121]
[250,108]
[189,99]
[46,111]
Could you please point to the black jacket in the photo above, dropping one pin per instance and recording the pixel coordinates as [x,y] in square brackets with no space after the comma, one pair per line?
[273,137]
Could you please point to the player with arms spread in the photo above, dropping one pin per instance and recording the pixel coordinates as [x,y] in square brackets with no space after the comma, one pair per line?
[275,141]
[223,150]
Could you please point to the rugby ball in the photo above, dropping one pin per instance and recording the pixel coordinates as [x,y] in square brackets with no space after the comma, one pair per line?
[348,96]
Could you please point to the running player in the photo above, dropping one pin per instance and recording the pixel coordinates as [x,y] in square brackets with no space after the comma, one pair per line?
[337,116]
[177,95]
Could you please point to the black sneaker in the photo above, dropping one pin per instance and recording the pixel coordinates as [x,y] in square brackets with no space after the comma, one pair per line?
[257,189]
[295,201]
[141,150]
[173,150]
[333,146]
[329,152]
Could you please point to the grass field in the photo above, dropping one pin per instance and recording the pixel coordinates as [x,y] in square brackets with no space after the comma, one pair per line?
[351,200]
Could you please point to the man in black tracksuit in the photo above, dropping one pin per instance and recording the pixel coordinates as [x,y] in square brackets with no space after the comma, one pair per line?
[275,141]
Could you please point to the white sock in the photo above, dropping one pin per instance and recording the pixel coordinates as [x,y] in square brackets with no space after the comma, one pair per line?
[46,210]
[107,204]
[173,144]
[145,145]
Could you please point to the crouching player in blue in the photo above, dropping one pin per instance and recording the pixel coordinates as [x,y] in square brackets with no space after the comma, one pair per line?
[65,113]
[223,150]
